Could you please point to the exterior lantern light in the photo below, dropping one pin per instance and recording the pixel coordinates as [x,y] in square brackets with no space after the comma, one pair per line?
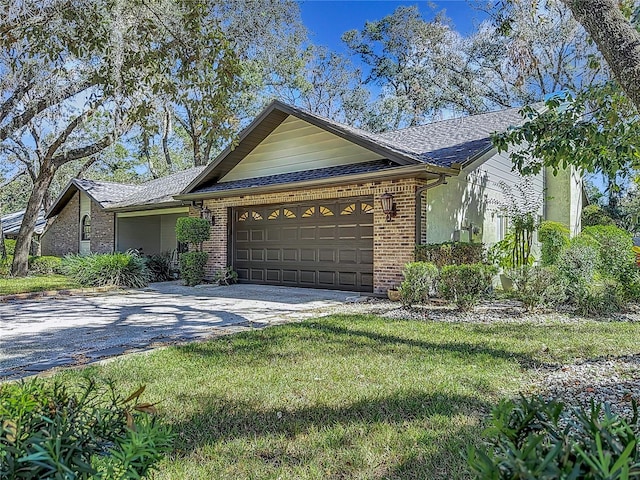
[208,215]
[388,206]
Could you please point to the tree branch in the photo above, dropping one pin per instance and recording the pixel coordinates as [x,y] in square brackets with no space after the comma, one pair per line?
[79,120]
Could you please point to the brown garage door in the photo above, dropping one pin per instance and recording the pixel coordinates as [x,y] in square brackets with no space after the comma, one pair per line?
[325,244]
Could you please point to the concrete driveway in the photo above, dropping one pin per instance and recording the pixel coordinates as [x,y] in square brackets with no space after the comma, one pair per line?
[38,335]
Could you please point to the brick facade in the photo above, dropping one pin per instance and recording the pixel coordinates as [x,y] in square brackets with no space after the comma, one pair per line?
[393,242]
[102,230]
[63,235]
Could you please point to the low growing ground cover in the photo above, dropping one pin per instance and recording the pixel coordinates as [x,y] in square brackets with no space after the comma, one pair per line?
[348,396]
[36,283]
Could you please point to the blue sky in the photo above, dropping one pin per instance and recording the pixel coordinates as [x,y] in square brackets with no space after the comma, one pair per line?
[327,20]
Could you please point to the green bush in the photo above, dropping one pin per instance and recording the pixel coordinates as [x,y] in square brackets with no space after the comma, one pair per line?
[538,286]
[10,245]
[226,276]
[536,439]
[466,285]
[602,298]
[159,266]
[578,263]
[614,249]
[46,265]
[595,215]
[554,237]
[106,269]
[5,266]
[193,230]
[450,253]
[52,430]
[192,267]
[419,280]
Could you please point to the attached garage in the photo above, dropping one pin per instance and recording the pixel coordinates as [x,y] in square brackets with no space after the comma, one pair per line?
[321,244]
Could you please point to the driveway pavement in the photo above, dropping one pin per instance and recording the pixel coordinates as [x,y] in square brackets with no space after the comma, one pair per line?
[38,335]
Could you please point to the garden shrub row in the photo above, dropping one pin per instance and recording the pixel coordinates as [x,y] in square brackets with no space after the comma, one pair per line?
[450,253]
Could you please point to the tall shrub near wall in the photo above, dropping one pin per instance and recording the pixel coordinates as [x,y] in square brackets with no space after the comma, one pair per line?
[450,253]
[194,231]
[554,237]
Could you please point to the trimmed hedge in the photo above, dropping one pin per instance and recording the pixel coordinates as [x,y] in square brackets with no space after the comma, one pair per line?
[46,265]
[466,285]
[450,253]
[419,280]
[192,267]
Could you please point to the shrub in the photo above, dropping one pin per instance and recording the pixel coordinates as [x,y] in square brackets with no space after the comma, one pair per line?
[10,245]
[96,270]
[595,215]
[450,253]
[547,440]
[538,286]
[193,230]
[226,276]
[554,237]
[419,280]
[192,267]
[159,267]
[5,266]
[578,263]
[51,430]
[614,249]
[600,298]
[46,265]
[466,285]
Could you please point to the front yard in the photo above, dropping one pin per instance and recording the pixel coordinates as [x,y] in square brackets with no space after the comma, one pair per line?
[349,396]
[35,283]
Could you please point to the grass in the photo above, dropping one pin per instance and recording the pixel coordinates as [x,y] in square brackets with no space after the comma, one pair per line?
[346,396]
[37,283]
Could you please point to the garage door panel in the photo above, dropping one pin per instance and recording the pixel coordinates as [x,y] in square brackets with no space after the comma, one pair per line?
[328,244]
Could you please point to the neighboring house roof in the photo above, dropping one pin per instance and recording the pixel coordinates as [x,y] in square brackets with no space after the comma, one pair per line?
[116,196]
[11,223]
[441,146]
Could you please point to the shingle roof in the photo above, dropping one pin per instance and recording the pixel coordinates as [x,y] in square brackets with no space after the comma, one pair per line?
[160,190]
[11,223]
[106,194]
[307,175]
[453,141]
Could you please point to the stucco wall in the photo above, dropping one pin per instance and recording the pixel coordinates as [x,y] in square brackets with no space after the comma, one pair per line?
[63,234]
[393,242]
[564,192]
[470,199]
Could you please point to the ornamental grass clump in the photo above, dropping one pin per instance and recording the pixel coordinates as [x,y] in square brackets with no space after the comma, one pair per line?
[80,431]
[466,285]
[107,269]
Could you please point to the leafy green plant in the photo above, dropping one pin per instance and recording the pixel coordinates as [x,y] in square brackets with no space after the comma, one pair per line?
[615,252]
[106,269]
[80,431]
[450,253]
[226,276]
[10,245]
[193,230]
[554,237]
[538,286]
[159,266]
[466,285]
[601,298]
[595,215]
[538,439]
[192,266]
[578,264]
[501,254]
[45,265]
[419,281]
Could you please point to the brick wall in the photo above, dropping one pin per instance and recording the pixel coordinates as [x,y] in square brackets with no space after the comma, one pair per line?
[393,242]
[102,230]
[63,235]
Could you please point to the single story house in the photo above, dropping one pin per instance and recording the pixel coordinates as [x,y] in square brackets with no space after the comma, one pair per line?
[302,200]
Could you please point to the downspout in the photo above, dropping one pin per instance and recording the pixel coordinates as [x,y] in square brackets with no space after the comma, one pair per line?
[441,180]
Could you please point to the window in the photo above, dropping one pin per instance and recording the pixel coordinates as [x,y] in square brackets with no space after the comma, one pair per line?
[325,211]
[85,228]
[366,208]
[309,212]
[275,214]
[349,209]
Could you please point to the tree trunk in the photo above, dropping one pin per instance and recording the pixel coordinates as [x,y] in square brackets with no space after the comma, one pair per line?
[616,38]
[3,247]
[166,131]
[20,265]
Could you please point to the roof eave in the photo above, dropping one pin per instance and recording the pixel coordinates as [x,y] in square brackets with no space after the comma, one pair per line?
[154,206]
[391,173]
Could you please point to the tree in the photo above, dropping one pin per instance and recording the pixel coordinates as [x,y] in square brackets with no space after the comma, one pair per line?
[596,131]
[75,64]
[616,37]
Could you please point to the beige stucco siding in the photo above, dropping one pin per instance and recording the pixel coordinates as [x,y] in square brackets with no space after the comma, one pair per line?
[296,146]
[564,193]
[471,198]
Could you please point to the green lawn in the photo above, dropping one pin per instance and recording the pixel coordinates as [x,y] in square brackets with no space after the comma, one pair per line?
[39,283]
[347,396]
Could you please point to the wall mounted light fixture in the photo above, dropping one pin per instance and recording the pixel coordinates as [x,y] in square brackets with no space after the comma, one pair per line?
[208,215]
[388,205]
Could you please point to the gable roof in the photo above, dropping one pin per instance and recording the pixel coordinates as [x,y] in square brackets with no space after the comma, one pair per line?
[116,196]
[441,146]
[11,222]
